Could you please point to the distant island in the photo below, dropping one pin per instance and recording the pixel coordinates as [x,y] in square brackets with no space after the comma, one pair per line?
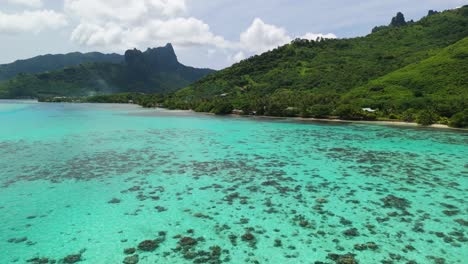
[408,71]
[156,70]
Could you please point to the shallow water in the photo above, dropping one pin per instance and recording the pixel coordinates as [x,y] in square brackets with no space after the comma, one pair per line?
[94,180]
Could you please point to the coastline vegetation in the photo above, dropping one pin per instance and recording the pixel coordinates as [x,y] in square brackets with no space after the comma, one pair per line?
[414,72]
[152,71]
[407,71]
[343,112]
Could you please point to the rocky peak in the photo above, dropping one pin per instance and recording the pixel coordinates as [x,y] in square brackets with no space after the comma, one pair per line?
[153,59]
[398,20]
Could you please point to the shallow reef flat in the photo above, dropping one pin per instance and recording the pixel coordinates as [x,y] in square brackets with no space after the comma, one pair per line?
[115,184]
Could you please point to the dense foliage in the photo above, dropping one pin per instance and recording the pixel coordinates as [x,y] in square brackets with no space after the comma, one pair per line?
[54,62]
[410,71]
[145,100]
[414,71]
[438,84]
[153,71]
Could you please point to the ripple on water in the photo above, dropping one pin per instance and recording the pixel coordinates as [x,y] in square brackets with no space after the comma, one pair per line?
[119,188]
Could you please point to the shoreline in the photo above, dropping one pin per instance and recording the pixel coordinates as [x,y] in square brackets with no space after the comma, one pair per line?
[334,120]
[392,123]
[395,123]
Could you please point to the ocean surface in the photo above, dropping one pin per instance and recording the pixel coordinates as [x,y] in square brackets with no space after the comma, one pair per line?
[83,183]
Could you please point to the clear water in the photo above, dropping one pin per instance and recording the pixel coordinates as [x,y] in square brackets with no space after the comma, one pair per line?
[303,193]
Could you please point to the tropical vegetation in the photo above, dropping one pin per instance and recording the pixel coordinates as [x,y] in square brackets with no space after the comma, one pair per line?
[411,71]
[407,70]
[153,71]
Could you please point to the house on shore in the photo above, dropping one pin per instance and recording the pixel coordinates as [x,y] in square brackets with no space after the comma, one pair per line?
[237,112]
[369,110]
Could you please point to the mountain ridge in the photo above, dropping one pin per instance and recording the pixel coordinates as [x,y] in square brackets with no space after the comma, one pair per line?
[50,62]
[156,70]
[354,78]
[308,78]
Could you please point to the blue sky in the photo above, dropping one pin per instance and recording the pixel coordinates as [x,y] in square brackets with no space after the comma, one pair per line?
[205,33]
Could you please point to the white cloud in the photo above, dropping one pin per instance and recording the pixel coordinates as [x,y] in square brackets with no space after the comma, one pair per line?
[234,58]
[239,56]
[185,32]
[27,3]
[96,35]
[125,9]
[260,37]
[313,36]
[113,10]
[116,25]
[169,8]
[31,21]
[122,24]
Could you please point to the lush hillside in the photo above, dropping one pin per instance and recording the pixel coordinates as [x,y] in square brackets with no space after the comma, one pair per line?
[153,71]
[328,77]
[82,80]
[439,82]
[54,62]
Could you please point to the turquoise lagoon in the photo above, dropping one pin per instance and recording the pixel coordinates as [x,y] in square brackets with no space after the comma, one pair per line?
[83,183]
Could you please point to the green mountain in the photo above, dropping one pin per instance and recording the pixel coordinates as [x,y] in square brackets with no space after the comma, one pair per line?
[54,62]
[440,81]
[419,65]
[153,71]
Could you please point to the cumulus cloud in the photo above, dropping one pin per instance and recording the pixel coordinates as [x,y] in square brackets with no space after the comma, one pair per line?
[109,34]
[31,21]
[234,58]
[121,24]
[27,3]
[125,11]
[178,31]
[261,37]
[239,56]
[185,32]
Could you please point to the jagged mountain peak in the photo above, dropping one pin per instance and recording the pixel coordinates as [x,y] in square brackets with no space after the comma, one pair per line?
[160,58]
